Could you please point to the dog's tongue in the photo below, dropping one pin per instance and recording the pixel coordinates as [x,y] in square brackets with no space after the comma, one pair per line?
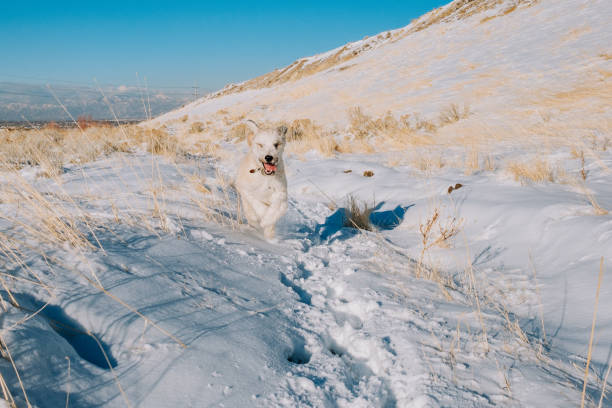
[269,167]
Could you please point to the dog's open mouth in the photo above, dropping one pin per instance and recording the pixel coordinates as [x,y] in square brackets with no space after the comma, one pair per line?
[269,168]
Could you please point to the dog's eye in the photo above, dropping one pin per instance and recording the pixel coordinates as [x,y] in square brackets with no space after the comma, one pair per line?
[259,144]
[276,145]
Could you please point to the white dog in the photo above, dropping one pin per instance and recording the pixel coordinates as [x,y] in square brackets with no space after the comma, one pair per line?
[261,180]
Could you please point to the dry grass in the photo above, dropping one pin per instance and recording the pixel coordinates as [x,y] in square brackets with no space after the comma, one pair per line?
[38,223]
[365,133]
[427,162]
[304,135]
[389,132]
[436,232]
[597,209]
[196,127]
[217,200]
[586,369]
[357,214]
[51,148]
[453,113]
[537,170]
[462,9]
[239,132]
[158,141]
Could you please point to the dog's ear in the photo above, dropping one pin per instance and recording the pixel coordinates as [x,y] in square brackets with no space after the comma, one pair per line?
[282,131]
[254,129]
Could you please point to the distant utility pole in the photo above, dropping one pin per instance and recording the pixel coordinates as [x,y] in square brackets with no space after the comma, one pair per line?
[195,91]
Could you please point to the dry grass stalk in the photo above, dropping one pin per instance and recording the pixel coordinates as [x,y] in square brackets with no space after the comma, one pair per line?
[6,392]
[472,163]
[586,369]
[469,270]
[46,220]
[506,379]
[596,207]
[434,233]
[590,197]
[221,205]
[6,352]
[603,387]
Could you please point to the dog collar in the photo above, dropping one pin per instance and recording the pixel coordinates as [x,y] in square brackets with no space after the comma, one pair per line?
[261,170]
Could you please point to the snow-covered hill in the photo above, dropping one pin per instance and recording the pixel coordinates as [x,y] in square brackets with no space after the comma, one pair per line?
[512,63]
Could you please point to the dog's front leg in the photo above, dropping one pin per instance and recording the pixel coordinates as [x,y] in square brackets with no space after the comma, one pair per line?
[277,209]
[250,213]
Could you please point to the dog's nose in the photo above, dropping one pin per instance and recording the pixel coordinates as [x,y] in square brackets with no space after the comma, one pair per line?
[269,158]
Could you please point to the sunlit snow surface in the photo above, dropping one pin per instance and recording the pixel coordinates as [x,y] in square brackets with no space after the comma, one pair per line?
[329,316]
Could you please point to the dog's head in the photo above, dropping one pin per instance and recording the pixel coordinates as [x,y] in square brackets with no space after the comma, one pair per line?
[267,145]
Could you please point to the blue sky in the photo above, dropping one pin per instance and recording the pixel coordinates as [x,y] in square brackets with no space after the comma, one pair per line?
[179,43]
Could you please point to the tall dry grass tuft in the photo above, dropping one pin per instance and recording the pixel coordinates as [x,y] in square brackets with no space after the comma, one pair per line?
[303,129]
[304,135]
[357,214]
[453,113]
[196,127]
[51,148]
[537,170]
[586,369]
[159,142]
[434,232]
[239,132]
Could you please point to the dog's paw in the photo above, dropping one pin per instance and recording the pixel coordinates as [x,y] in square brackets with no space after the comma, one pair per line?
[269,232]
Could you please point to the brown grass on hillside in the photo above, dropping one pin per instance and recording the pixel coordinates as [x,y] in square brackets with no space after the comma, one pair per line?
[392,132]
[462,9]
[504,12]
[196,127]
[239,132]
[304,135]
[366,134]
[453,113]
[158,141]
[51,148]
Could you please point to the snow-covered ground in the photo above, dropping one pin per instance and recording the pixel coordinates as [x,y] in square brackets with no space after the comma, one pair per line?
[328,315]
[482,295]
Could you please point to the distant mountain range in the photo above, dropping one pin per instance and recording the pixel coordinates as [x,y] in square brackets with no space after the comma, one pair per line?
[31,102]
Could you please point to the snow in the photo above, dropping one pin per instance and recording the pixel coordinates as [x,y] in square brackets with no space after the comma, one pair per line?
[328,316]
[189,308]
